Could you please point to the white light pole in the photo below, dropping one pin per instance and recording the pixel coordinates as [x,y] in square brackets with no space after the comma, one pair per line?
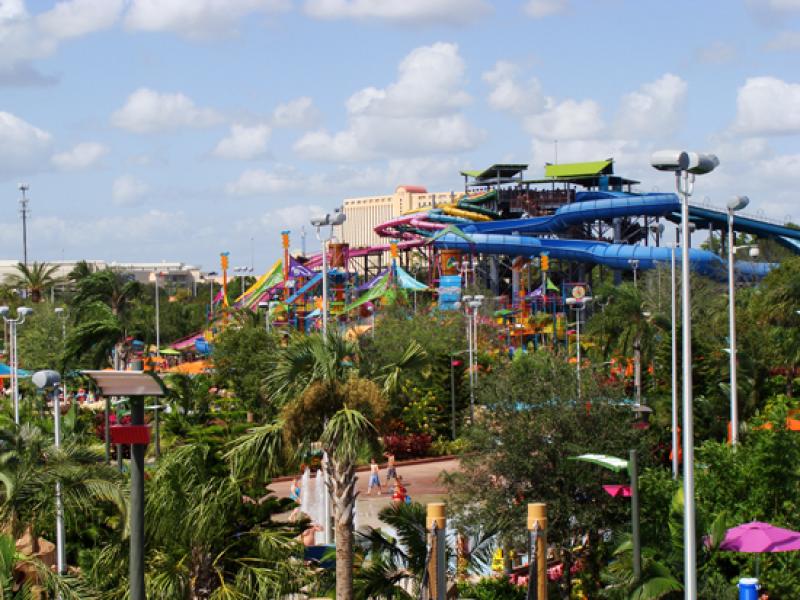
[158,317]
[210,275]
[471,305]
[22,312]
[736,203]
[330,220]
[674,363]
[634,263]
[51,380]
[578,305]
[686,165]
[62,315]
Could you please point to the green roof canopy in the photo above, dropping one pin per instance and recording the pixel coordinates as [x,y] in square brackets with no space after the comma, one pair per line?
[495,172]
[591,169]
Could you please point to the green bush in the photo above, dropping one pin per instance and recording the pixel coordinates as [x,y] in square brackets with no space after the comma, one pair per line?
[491,588]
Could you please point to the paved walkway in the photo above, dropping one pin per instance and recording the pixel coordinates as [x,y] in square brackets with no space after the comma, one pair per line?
[421,480]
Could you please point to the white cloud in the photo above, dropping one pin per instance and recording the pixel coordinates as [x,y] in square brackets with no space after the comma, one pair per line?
[196,18]
[128,190]
[258,182]
[417,114]
[509,95]
[299,112]
[785,41]
[76,18]
[654,109]
[716,53]
[82,156]
[25,37]
[767,106]
[23,147]
[567,120]
[454,12]
[244,143]
[545,8]
[148,111]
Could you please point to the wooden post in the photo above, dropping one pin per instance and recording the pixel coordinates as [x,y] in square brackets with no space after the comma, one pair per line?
[436,523]
[537,520]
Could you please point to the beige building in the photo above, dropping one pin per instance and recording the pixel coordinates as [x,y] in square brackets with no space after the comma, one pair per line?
[366,213]
[174,273]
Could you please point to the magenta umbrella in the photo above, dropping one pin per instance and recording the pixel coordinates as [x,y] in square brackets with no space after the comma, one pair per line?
[758,537]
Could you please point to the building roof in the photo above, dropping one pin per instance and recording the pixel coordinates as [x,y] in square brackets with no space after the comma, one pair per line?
[412,189]
[500,171]
[582,169]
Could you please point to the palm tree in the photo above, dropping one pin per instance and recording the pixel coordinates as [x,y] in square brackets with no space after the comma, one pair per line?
[34,278]
[346,434]
[102,307]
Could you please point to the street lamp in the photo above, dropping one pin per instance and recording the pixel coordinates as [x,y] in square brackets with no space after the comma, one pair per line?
[62,316]
[578,305]
[51,380]
[686,165]
[158,274]
[329,220]
[634,263]
[736,203]
[22,312]
[473,303]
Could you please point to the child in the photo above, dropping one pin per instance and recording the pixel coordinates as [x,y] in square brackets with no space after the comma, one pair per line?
[374,478]
[294,494]
[391,471]
[399,494]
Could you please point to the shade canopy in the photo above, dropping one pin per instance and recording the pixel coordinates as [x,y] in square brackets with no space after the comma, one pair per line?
[126,383]
[5,371]
[760,537]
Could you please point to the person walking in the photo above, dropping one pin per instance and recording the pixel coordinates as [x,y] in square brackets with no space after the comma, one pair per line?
[374,477]
[391,470]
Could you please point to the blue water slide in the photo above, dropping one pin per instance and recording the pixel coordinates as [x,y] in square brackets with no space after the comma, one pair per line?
[615,256]
[308,285]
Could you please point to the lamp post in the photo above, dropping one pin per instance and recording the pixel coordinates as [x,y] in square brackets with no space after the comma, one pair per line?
[211,275]
[674,359]
[578,305]
[23,210]
[62,316]
[736,203]
[634,263]
[686,165]
[329,220]
[22,312]
[471,305]
[50,380]
[155,408]
[158,316]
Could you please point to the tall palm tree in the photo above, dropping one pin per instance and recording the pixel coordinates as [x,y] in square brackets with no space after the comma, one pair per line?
[33,278]
[346,434]
[102,308]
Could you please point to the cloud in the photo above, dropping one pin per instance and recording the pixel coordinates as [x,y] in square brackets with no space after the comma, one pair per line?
[128,190]
[259,182]
[418,12]
[567,120]
[654,109]
[148,111]
[198,19]
[785,41]
[23,147]
[244,143]
[418,114]
[545,8]
[509,95]
[717,53]
[25,37]
[299,112]
[82,156]
[767,106]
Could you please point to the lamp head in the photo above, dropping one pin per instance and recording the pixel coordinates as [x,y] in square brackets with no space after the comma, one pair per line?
[58,310]
[338,218]
[669,160]
[700,163]
[319,221]
[3,311]
[738,203]
[46,379]
[24,311]
[754,252]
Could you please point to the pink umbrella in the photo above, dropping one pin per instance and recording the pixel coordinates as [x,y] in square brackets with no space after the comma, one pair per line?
[760,537]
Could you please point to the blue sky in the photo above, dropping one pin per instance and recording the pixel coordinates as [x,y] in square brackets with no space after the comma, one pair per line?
[176,129]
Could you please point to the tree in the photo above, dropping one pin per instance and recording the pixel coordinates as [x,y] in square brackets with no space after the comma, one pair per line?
[346,434]
[34,278]
[101,309]
[242,355]
[41,341]
[520,449]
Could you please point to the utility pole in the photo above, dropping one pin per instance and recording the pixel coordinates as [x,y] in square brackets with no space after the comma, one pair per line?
[23,210]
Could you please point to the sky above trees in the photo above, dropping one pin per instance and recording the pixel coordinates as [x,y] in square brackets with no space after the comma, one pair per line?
[175,130]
